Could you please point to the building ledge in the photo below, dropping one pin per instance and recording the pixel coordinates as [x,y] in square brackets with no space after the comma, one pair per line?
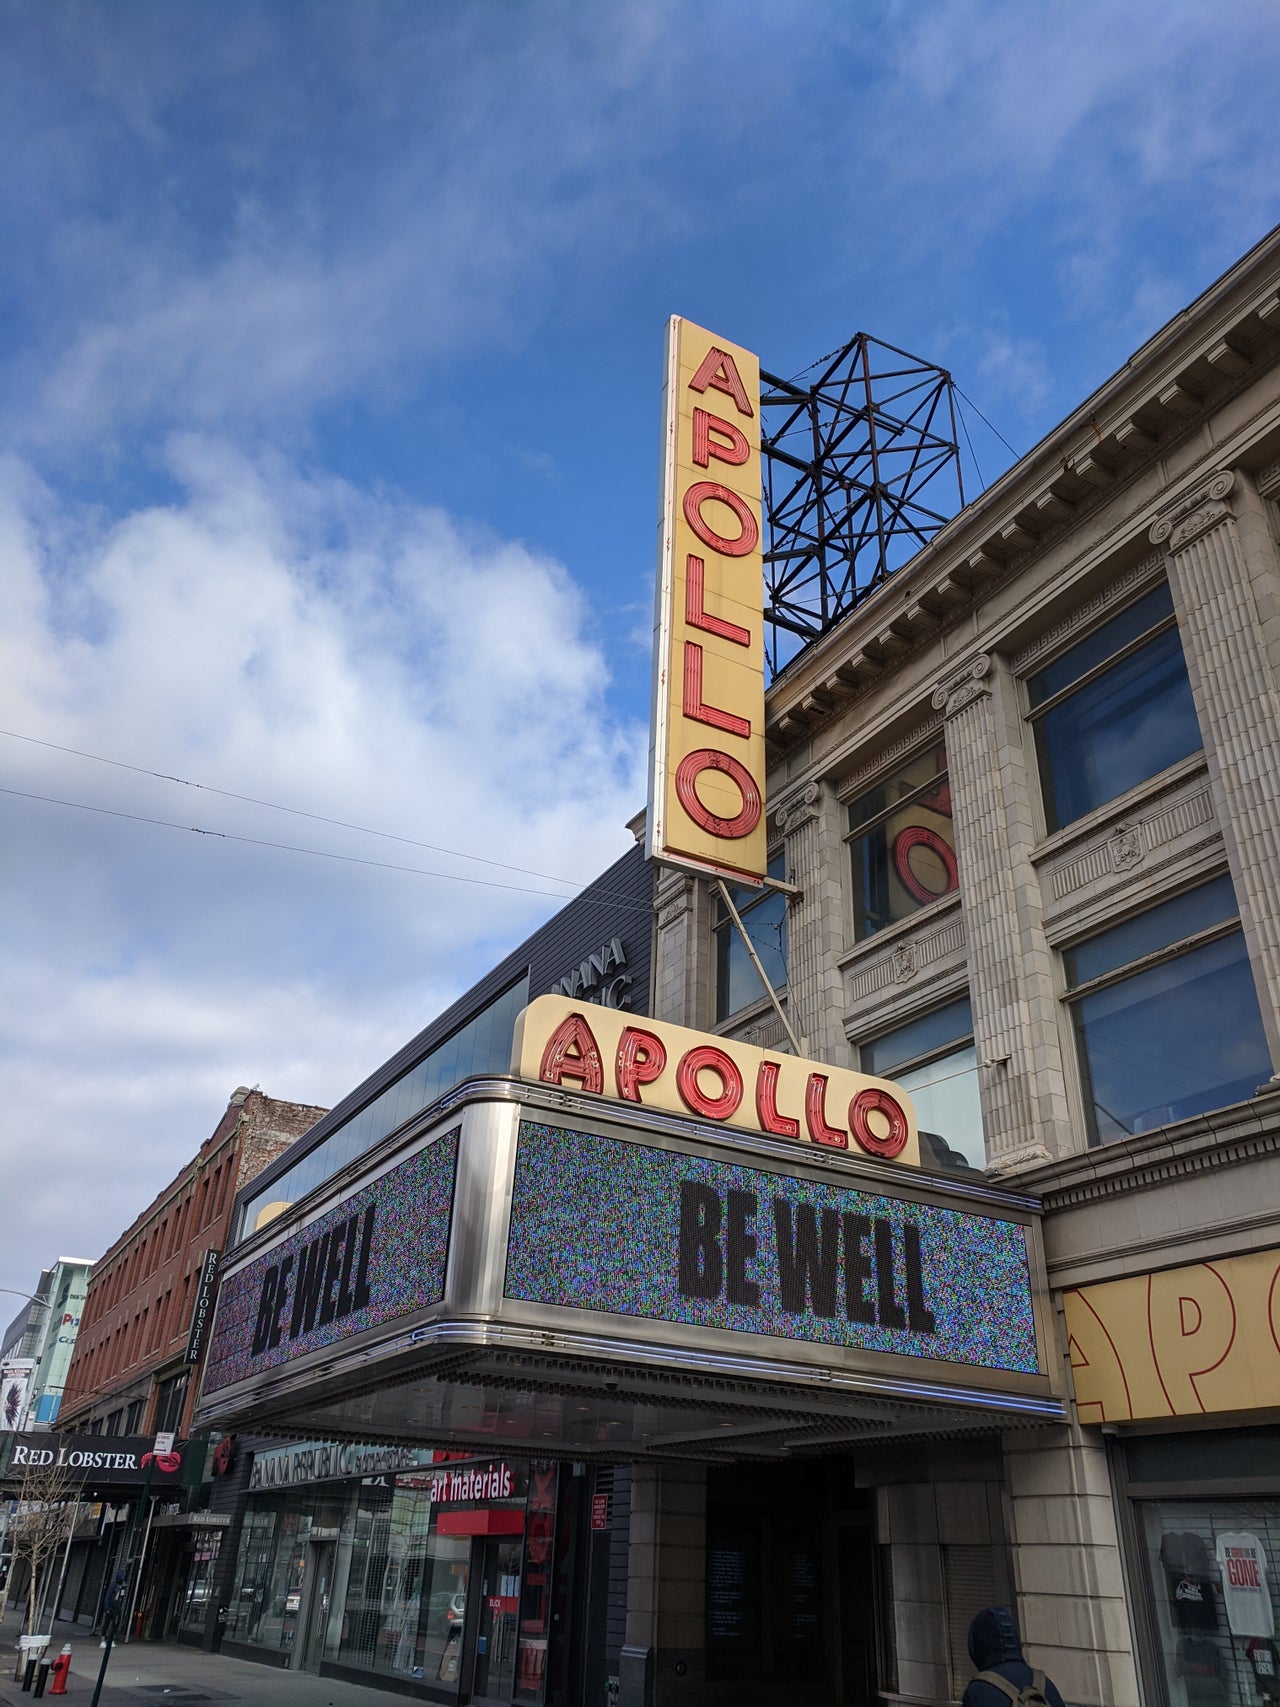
[1227,1137]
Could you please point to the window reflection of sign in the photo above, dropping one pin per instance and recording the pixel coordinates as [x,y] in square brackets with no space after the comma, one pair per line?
[912,875]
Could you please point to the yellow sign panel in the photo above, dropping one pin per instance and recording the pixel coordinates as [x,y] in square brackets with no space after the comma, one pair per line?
[1186,1342]
[610,1054]
[706,807]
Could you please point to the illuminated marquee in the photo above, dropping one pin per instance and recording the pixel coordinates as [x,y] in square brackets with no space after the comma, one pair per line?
[668,1067]
[706,806]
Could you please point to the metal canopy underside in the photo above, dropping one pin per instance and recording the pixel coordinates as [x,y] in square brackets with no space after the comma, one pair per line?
[490,1399]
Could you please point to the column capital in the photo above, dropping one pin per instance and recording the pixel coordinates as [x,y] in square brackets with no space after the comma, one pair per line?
[1195,512]
[953,694]
[798,808]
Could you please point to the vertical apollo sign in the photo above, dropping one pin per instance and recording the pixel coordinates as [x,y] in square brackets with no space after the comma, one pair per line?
[706,805]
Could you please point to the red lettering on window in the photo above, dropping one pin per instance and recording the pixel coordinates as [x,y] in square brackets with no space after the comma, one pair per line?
[695,613]
[705,447]
[718,370]
[691,768]
[573,1053]
[640,1060]
[781,1125]
[915,836]
[700,493]
[705,1057]
[694,705]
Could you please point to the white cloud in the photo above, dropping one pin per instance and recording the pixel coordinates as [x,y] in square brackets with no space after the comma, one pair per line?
[300,641]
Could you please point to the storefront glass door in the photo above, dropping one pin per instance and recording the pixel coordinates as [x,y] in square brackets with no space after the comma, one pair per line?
[495,1667]
[319,1576]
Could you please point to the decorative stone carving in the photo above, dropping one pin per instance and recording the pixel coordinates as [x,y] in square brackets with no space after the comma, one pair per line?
[1195,513]
[952,696]
[1126,846]
[798,808]
[904,961]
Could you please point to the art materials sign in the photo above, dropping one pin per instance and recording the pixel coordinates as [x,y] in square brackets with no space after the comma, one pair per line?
[706,805]
[1185,1342]
[381,1254]
[603,1224]
[668,1067]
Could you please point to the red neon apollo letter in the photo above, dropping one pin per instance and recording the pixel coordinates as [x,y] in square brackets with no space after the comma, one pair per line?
[718,370]
[694,704]
[695,611]
[640,1060]
[875,1101]
[691,767]
[781,1125]
[573,1053]
[706,1057]
[701,492]
[705,447]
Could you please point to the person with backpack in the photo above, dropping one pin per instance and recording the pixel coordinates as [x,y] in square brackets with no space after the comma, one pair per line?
[1003,1674]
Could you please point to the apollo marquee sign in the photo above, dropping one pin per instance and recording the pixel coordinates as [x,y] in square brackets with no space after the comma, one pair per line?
[707,761]
[668,1067]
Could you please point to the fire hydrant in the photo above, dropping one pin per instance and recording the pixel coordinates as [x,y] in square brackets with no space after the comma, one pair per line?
[61,1670]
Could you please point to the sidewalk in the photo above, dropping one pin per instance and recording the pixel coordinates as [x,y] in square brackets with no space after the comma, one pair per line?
[167,1674]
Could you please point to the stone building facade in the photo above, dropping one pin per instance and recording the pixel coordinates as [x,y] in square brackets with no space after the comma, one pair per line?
[1029,794]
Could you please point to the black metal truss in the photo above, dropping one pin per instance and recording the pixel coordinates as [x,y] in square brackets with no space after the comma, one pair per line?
[861,468]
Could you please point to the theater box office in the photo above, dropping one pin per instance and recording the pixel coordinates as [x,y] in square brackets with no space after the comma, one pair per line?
[543,1274]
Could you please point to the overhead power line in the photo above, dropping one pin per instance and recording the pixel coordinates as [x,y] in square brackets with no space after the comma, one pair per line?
[294,811]
[288,847]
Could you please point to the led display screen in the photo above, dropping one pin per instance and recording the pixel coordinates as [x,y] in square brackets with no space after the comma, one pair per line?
[603,1224]
[380,1254]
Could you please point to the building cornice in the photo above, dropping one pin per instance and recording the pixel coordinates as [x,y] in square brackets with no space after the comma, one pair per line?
[1226,1138]
[1215,348]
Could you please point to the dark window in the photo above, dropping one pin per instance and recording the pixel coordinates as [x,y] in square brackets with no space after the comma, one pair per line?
[902,843]
[764,917]
[933,1057]
[114,1423]
[170,1397]
[133,1417]
[1165,1014]
[1113,710]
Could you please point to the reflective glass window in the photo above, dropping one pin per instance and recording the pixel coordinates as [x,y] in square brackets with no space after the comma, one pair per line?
[482,1045]
[933,1057]
[764,917]
[1170,1037]
[1103,727]
[902,843]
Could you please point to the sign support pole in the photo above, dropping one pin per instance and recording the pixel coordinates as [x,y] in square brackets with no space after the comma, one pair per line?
[755,961]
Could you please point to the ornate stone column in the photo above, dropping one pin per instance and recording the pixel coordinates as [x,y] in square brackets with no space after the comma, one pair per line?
[1225,579]
[815,920]
[1024,1100]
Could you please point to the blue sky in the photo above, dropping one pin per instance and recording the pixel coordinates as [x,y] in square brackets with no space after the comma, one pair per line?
[330,349]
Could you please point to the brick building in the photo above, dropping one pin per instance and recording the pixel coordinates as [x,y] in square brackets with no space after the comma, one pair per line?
[129,1374]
